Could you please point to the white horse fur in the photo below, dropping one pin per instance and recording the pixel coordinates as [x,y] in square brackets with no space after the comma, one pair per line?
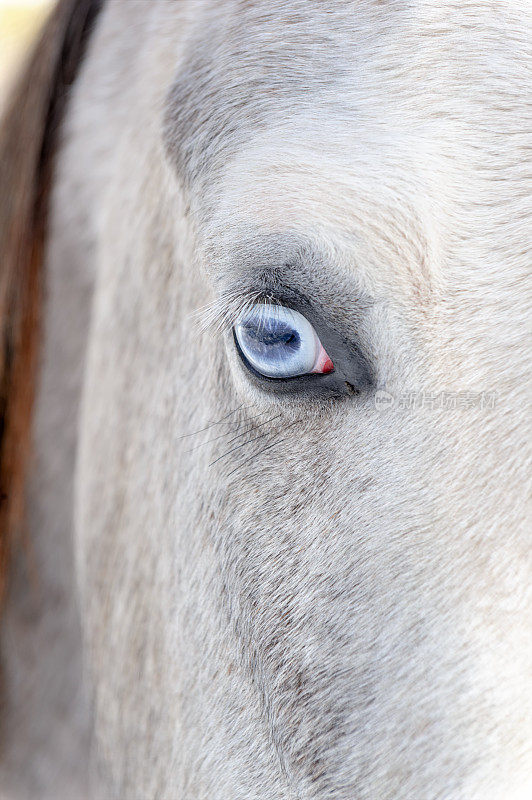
[339,609]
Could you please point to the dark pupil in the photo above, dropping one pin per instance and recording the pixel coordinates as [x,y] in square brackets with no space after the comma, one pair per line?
[271,335]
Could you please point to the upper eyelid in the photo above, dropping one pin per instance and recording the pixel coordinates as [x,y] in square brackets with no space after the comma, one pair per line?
[274,268]
[271,284]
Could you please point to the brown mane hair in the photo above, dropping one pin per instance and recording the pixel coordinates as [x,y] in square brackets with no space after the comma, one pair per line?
[28,136]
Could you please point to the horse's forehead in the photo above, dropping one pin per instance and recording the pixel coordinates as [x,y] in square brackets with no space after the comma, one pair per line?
[247,63]
[283,100]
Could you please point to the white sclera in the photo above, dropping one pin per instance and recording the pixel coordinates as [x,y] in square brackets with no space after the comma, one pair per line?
[256,335]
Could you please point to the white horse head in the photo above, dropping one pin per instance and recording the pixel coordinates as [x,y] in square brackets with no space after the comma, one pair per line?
[283,406]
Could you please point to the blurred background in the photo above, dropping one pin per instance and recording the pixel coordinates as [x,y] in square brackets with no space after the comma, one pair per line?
[20,21]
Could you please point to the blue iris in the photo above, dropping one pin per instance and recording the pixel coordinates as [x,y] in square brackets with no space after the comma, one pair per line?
[278,342]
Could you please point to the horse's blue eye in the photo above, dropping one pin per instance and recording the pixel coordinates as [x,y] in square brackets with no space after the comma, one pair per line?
[279,342]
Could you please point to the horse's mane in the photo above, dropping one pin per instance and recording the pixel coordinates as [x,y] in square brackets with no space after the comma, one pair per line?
[28,135]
